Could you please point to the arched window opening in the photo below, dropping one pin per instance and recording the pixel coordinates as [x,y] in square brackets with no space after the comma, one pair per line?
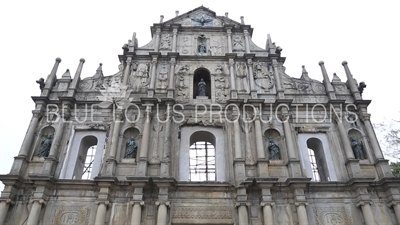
[86,155]
[314,166]
[202,161]
[202,84]
[88,167]
[317,160]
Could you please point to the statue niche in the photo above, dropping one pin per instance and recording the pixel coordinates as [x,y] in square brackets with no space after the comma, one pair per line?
[130,146]
[202,84]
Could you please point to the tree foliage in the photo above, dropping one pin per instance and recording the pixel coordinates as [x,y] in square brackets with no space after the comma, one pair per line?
[395,167]
[390,140]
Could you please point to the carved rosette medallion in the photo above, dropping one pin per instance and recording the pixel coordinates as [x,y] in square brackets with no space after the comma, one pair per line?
[332,215]
[70,215]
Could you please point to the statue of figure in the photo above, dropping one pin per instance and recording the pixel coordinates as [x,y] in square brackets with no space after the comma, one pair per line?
[358,149]
[165,42]
[361,87]
[45,147]
[274,151]
[41,83]
[202,48]
[238,43]
[202,88]
[131,149]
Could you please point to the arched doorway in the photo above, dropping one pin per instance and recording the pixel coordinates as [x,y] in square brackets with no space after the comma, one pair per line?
[200,75]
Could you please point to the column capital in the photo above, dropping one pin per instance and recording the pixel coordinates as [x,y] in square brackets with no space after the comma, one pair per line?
[246,33]
[231,62]
[104,202]
[267,204]
[40,201]
[362,203]
[365,116]
[141,203]
[242,204]
[7,201]
[37,113]
[166,203]
[301,203]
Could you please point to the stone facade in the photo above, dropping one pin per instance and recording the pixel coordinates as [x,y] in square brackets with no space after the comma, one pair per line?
[279,150]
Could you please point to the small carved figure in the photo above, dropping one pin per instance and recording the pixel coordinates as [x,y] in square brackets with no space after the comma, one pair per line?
[358,149]
[165,42]
[41,83]
[202,88]
[238,43]
[45,147]
[274,151]
[131,149]
[241,73]
[202,48]
[361,87]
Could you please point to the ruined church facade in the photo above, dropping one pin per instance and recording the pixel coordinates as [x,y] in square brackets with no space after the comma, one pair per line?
[200,126]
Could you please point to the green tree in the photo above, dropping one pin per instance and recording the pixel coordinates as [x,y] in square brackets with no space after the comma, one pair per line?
[395,167]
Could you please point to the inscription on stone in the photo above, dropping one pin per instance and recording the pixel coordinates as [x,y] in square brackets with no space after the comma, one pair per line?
[70,216]
[332,216]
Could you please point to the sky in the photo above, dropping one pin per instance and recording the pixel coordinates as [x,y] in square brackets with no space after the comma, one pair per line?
[33,33]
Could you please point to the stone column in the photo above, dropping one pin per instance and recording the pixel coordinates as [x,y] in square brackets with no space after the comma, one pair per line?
[367,213]
[371,135]
[238,140]
[4,204]
[351,82]
[157,44]
[33,218]
[251,75]
[174,39]
[171,86]
[262,164]
[277,77]
[294,163]
[165,160]
[144,145]
[345,139]
[27,143]
[243,215]
[267,213]
[162,213]
[74,84]
[239,160]
[229,34]
[232,74]
[247,41]
[111,159]
[136,212]
[101,213]
[302,213]
[51,79]
[327,83]
[127,70]
[396,207]
[153,73]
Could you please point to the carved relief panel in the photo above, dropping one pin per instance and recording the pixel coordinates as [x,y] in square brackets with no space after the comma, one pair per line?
[68,215]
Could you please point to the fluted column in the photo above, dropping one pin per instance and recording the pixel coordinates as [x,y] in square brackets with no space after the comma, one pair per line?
[327,83]
[144,145]
[232,74]
[229,34]
[371,135]
[157,45]
[345,139]
[127,70]
[136,213]
[367,213]
[277,77]
[74,84]
[302,213]
[33,218]
[4,205]
[243,214]
[351,82]
[162,213]
[267,213]
[251,76]
[174,39]
[171,74]
[27,143]
[111,159]
[101,213]
[247,41]
[396,208]
[51,79]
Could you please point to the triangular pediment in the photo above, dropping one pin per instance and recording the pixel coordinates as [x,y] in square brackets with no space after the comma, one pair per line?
[201,17]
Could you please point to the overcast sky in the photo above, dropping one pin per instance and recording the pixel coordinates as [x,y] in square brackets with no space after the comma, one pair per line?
[34,33]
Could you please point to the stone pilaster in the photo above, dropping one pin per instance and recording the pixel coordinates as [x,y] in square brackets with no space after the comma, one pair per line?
[229,34]
[157,44]
[364,201]
[247,40]
[171,79]
[241,205]
[239,160]
[301,203]
[381,164]
[141,169]
[253,91]
[127,70]
[4,205]
[154,56]
[294,162]
[102,201]
[165,160]
[33,218]
[175,28]
[262,162]
[111,159]
[351,82]
[231,60]
[267,204]
[278,83]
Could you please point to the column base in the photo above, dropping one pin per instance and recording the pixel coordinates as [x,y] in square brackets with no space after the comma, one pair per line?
[234,94]
[49,166]
[294,168]
[111,164]
[19,166]
[262,168]
[141,168]
[240,174]
[253,94]
[170,93]
[353,168]
[383,168]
